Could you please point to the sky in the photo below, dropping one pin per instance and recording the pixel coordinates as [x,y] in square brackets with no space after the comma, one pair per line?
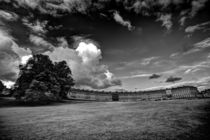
[110,44]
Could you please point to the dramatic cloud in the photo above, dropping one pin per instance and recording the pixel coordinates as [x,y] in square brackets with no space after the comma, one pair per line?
[10,57]
[53,26]
[172,79]
[55,7]
[202,26]
[166,21]
[84,62]
[154,76]
[121,21]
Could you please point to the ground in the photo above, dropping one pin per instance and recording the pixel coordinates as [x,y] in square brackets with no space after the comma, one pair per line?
[173,119]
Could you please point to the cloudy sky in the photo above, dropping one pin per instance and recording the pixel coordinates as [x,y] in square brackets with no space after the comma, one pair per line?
[110,44]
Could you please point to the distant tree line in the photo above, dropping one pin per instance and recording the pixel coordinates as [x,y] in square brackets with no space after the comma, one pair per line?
[42,81]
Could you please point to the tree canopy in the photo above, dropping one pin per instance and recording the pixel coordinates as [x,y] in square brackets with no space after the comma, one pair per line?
[41,79]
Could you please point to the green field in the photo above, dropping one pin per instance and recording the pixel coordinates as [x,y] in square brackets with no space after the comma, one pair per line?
[178,119]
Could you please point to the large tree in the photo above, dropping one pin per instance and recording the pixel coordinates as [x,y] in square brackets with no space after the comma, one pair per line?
[63,77]
[41,79]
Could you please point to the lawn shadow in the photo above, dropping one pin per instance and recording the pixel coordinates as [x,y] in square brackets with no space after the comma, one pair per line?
[202,131]
[11,102]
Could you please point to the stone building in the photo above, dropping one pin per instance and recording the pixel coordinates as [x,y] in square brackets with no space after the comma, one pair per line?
[170,93]
[91,95]
[184,92]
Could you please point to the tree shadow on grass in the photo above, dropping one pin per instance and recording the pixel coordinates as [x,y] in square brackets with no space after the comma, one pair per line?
[202,132]
[11,102]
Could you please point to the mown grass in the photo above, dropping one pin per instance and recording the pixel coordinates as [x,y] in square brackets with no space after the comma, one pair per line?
[178,119]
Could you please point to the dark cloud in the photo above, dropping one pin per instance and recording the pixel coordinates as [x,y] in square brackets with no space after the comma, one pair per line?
[162,9]
[154,76]
[172,79]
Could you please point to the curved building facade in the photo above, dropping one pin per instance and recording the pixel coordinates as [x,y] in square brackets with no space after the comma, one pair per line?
[172,93]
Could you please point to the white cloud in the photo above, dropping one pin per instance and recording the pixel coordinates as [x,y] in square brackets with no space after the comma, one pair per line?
[88,52]
[31,3]
[196,6]
[117,17]
[10,16]
[182,69]
[109,75]
[189,68]
[54,6]
[203,44]
[41,43]
[135,76]
[192,29]
[197,47]
[8,84]
[37,27]
[182,20]
[166,21]
[139,6]
[147,61]
[24,59]
[174,55]
[84,62]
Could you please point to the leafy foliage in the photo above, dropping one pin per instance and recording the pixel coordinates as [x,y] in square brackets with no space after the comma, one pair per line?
[42,80]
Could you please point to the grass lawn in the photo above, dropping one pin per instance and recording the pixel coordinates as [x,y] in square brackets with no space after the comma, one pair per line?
[177,119]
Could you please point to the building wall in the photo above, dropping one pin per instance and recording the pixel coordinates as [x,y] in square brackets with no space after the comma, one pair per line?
[184,92]
[174,93]
[90,95]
